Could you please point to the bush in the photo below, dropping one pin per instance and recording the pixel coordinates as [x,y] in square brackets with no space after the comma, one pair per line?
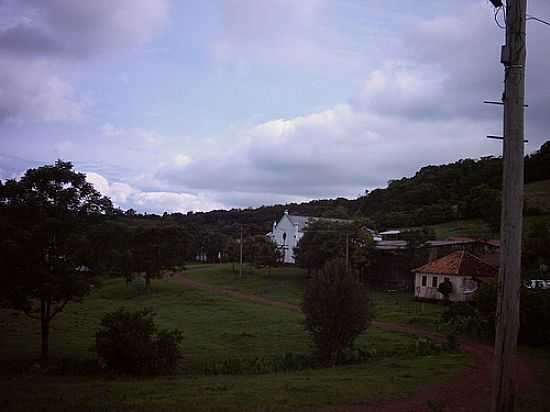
[130,342]
[534,313]
[464,318]
[336,309]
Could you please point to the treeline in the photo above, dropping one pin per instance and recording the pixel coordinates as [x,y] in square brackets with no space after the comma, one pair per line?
[461,190]
[464,189]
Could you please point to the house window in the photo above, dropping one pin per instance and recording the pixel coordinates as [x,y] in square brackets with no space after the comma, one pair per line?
[434,282]
[424,280]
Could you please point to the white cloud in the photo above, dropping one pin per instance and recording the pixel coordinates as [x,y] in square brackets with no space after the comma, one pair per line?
[34,89]
[126,196]
[41,40]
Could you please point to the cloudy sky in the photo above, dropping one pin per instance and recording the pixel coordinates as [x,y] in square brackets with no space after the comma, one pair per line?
[191,105]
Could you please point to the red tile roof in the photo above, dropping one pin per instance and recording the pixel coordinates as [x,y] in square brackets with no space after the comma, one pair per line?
[459,263]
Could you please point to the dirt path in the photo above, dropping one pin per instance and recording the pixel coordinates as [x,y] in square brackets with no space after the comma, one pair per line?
[470,391]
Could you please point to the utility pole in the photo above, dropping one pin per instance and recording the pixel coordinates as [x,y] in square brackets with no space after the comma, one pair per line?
[347,252]
[509,277]
[241,257]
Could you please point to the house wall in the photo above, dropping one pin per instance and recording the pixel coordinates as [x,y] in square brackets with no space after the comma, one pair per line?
[430,292]
[287,244]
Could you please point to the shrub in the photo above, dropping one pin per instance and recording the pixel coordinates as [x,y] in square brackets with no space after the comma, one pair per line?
[130,342]
[336,309]
[464,318]
[534,313]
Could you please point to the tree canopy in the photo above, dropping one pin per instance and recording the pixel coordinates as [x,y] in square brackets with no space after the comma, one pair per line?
[44,250]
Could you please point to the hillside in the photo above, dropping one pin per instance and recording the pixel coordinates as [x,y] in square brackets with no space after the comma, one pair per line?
[465,191]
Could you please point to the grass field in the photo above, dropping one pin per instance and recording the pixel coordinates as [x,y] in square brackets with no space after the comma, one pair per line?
[477,228]
[215,328]
[286,284]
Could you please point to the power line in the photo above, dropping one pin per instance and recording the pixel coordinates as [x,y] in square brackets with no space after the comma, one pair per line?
[529,17]
[497,11]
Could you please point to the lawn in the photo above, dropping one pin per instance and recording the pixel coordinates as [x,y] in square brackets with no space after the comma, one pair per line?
[304,390]
[286,284]
[216,328]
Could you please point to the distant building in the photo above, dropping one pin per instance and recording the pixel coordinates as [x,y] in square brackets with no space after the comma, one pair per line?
[393,260]
[464,270]
[288,231]
[393,234]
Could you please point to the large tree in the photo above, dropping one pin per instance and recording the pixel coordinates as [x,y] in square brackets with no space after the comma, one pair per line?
[44,217]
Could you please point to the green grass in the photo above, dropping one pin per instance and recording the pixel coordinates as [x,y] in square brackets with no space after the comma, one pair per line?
[467,228]
[286,284]
[215,328]
[272,392]
[401,307]
[478,229]
[537,194]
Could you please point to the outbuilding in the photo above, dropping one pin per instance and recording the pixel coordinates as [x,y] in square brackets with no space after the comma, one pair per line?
[462,269]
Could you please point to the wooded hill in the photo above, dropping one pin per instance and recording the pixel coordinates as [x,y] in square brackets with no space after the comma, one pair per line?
[465,189]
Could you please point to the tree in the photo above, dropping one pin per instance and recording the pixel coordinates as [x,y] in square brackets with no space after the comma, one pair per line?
[156,249]
[327,240]
[261,251]
[231,252]
[336,309]
[536,253]
[322,241]
[44,250]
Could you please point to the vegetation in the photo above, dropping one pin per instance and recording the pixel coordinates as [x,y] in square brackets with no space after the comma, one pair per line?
[261,251]
[479,318]
[155,250]
[130,342]
[327,240]
[465,189]
[218,331]
[43,250]
[336,309]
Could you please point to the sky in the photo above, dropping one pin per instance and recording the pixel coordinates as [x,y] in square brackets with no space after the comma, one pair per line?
[191,106]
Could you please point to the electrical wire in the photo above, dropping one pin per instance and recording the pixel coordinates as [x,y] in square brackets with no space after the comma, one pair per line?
[497,11]
[529,17]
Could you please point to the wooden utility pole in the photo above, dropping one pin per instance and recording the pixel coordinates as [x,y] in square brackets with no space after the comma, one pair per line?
[241,256]
[509,277]
[347,252]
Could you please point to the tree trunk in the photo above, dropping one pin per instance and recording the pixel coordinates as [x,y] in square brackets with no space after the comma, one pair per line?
[45,328]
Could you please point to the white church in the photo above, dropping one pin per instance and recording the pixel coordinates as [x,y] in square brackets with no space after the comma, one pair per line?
[288,231]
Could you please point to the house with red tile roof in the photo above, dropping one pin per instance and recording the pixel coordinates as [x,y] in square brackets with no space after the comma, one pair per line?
[462,269]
